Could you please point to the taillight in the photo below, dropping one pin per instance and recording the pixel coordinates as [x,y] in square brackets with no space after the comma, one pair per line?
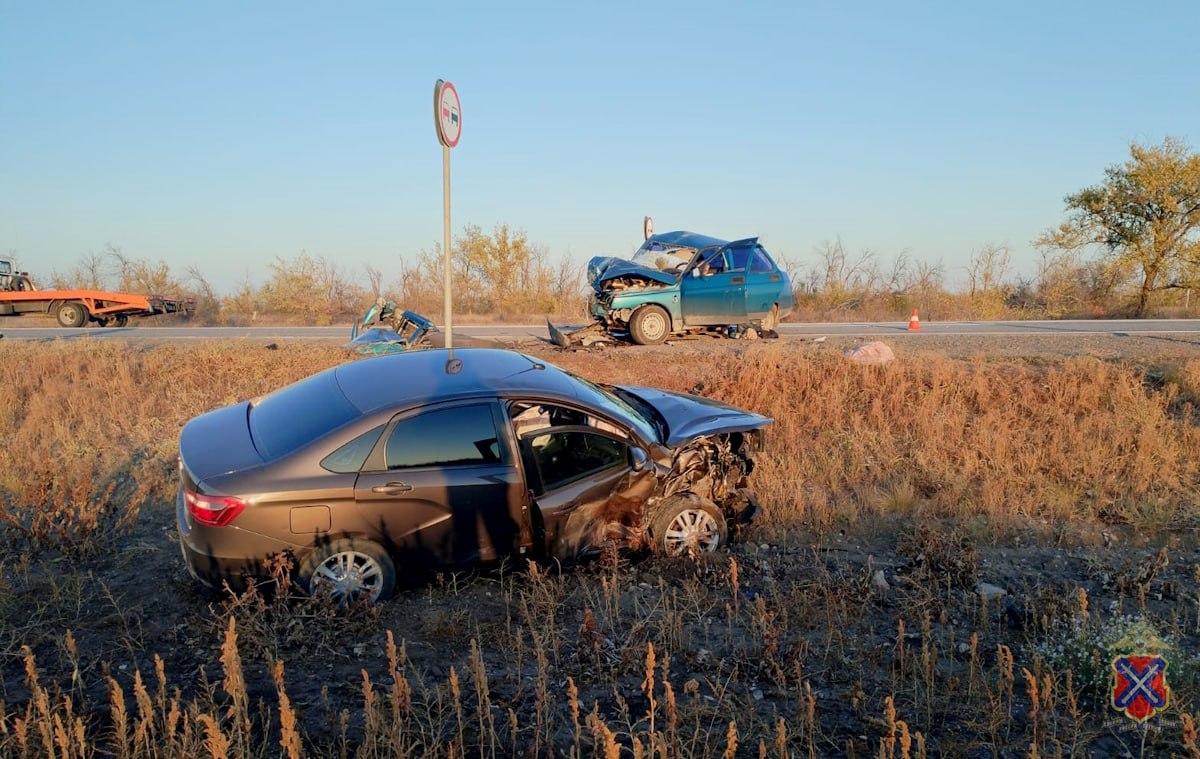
[213,510]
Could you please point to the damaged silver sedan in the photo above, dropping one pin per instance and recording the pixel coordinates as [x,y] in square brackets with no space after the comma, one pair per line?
[366,472]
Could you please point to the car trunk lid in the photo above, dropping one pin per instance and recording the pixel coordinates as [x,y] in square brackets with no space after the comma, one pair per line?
[218,443]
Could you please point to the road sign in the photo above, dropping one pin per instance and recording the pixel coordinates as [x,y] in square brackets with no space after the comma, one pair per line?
[447,117]
[647,227]
[447,113]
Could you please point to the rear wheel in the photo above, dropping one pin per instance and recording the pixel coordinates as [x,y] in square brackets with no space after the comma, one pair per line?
[120,320]
[687,525]
[72,315]
[649,325]
[349,571]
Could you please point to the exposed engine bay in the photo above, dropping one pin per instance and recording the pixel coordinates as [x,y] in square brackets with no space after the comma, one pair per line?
[712,469]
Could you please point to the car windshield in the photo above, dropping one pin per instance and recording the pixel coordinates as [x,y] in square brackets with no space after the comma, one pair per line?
[291,417]
[647,426]
[662,257]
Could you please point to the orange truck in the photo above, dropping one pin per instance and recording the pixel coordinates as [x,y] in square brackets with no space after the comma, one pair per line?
[76,308]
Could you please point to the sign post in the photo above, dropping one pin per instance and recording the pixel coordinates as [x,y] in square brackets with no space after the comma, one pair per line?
[447,116]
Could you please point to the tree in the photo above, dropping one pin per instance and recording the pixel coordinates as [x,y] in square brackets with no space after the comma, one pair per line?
[1146,216]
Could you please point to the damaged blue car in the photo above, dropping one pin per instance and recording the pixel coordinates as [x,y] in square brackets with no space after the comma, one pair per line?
[682,283]
[384,329]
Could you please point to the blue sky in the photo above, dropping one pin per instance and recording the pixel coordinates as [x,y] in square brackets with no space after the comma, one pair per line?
[225,134]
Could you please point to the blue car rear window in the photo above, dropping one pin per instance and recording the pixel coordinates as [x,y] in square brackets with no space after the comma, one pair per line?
[289,418]
[761,261]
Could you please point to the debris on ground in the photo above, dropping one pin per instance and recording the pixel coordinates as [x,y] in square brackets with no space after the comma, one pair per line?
[874,353]
[989,591]
[385,329]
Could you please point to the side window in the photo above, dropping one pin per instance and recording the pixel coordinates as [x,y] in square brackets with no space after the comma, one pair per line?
[457,436]
[739,257]
[5,267]
[761,261]
[351,456]
[530,416]
[713,263]
[569,455]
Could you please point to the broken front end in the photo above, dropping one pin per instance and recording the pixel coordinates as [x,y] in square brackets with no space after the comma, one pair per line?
[619,288]
[692,505]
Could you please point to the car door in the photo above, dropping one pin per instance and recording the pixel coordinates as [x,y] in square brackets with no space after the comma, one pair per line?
[712,294]
[573,472]
[443,487]
[764,284]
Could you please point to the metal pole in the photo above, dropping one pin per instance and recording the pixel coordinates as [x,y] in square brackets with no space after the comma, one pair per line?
[448,313]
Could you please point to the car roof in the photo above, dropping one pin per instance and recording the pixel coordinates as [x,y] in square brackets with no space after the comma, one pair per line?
[686,239]
[697,241]
[423,376]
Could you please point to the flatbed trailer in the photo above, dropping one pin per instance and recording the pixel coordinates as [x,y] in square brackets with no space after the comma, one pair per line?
[76,308]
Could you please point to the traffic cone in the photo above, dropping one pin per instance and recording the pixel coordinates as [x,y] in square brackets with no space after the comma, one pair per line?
[914,322]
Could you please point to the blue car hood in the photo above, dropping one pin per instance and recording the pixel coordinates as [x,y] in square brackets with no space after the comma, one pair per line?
[603,268]
[690,416]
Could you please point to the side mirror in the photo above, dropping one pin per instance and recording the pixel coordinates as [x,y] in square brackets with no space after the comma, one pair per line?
[638,458]
[696,272]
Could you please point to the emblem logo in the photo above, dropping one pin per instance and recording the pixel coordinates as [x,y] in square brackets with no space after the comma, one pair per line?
[1140,687]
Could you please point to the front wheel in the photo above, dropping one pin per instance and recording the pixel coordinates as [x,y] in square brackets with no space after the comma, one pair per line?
[688,525]
[649,325]
[349,571]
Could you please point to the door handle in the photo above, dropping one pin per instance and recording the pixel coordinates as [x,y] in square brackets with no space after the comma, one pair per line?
[774,278]
[738,280]
[392,488]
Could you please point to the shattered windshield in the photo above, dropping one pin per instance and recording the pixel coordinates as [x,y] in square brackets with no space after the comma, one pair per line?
[653,255]
[618,407]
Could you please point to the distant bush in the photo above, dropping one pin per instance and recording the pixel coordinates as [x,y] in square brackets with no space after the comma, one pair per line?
[496,275]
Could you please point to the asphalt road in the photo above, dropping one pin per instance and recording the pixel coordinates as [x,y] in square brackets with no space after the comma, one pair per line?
[11,329]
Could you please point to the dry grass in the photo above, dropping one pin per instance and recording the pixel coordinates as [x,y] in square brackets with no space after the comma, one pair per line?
[1083,440]
[787,650]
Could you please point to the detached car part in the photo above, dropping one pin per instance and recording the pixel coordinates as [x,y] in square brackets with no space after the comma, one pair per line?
[385,329]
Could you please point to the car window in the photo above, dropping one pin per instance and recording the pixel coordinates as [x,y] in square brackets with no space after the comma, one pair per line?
[529,416]
[456,436]
[569,455]
[739,257]
[298,414]
[713,263]
[5,267]
[760,261]
[351,456]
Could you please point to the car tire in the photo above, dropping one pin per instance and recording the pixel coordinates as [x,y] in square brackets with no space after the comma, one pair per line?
[121,320]
[649,325]
[350,570]
[687,524]
[71,315]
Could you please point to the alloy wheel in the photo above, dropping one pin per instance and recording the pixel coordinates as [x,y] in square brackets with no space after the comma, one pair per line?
[349,576]
[692,530]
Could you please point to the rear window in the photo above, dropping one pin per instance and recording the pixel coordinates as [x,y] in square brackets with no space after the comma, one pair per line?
[761,261]
[290,418]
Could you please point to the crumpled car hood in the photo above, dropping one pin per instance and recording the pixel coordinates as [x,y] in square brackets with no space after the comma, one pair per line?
[690,416]
[603,268]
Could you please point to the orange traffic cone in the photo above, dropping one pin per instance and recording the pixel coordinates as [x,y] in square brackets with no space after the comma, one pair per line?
[914,322]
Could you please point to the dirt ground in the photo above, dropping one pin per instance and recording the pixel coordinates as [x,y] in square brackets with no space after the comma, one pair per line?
[846,636]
